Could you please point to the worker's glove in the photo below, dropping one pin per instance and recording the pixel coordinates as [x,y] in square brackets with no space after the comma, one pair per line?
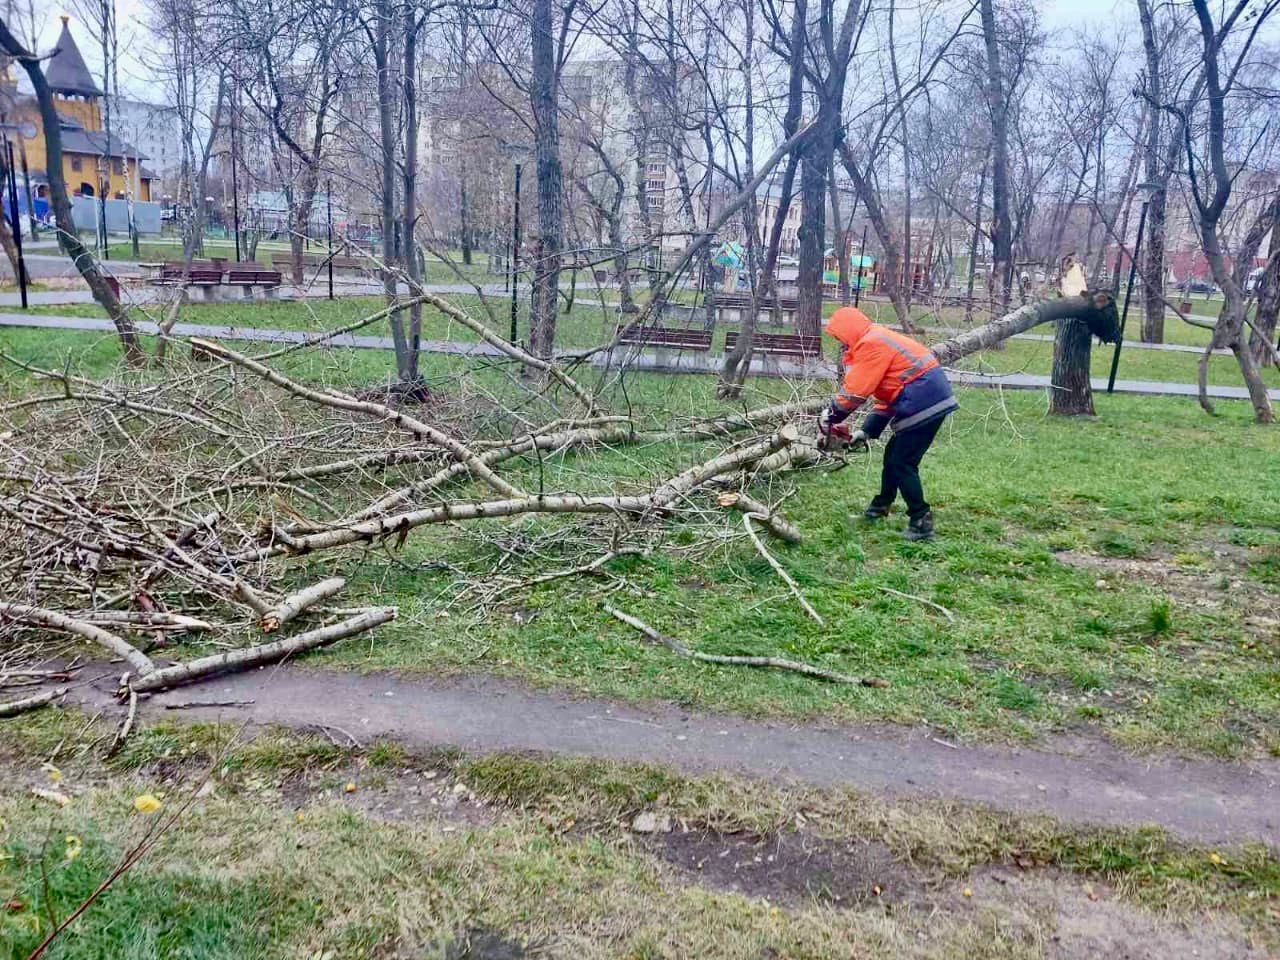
[858,440]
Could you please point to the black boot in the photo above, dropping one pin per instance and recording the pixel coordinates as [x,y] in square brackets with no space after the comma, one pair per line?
[921,528]
[874,512]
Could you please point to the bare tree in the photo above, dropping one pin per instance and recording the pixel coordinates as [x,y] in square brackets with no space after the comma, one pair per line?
[998,110]
[287,54]
[69,237]
[1226,47]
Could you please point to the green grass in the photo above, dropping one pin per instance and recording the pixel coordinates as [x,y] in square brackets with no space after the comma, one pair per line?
[277,861]
[1038,646]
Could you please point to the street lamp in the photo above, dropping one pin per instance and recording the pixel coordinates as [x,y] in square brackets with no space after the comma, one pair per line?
[516,152]
[1146,191]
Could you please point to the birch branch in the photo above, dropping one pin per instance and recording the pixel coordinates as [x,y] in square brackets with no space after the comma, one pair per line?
[370,409]
[776,663]
[295,604]
[777,567]
[263,653]
[15,707]
[52,620]
[401,523]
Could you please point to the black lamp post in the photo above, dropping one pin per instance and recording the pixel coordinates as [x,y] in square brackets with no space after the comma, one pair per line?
[1146,189]
[235,189]
[862,258]
[328,213]
[515,256]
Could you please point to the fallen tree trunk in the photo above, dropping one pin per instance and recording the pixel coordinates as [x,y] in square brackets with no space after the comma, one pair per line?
[15,707]
[1097,310]
[638,504]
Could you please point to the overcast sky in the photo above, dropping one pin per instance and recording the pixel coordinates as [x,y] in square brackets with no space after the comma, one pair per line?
[132,16]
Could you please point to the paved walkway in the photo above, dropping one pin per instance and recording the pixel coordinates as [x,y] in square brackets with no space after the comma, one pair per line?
[681,363]
[1079,780]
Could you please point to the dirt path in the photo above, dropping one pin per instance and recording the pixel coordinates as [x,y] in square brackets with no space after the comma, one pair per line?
[1075,780]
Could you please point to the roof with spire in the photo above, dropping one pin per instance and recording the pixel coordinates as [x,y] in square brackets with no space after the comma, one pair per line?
[66,71]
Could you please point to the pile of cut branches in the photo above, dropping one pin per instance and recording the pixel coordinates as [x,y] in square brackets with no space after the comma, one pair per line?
[201,498]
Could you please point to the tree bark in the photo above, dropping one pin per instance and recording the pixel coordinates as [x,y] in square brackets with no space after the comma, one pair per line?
[1002,230]
[975,238]
[61,202]
[1262,341]
[544,96]
[1152,266]
[387,169]
[7,241]
[1097,310]
[409,223]
[1070,393]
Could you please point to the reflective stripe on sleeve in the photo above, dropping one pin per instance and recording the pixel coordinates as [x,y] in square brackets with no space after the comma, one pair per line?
[917,363]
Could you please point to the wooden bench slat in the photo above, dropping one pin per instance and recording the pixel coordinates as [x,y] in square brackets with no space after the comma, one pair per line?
[780,344]
[693,340]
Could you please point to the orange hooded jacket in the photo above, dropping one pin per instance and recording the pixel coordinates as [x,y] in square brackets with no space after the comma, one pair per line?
[882,363]
[879,362]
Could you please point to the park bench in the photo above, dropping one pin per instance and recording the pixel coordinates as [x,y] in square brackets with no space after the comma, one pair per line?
[253,279]
[780,346]
[212,278]
[732,307]
[315,261]
[667,343]
[207,279]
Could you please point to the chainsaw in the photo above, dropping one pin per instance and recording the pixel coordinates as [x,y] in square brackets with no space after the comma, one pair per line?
[836,438]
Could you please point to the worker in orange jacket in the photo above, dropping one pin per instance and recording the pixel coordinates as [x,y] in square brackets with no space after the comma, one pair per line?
[912,397]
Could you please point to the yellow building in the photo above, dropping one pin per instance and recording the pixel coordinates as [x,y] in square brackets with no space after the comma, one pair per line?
[92,164]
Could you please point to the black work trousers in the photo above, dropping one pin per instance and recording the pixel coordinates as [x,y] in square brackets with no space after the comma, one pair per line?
[901,471]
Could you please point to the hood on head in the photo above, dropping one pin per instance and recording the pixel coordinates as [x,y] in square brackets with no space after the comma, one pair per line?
[848,325]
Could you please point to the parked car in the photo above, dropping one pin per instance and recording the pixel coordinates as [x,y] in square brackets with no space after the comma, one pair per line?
[1197,286]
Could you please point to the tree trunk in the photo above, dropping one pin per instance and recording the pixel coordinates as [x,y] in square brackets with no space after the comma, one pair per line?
[814,161]
[1002,230]
[543,93]
[61,202]
[304,198]
[1262,341]
[387,169]
[839,239]
[6,231]
[768,287]
[1070,393]
[618,243]
[1096,309]
[409,223]
[1152,266]
[974,240]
